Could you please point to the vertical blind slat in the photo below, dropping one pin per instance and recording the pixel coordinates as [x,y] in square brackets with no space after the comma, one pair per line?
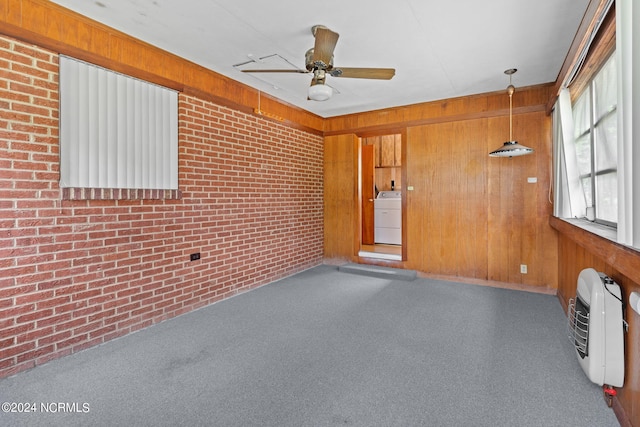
[83,129]
[110,151]
[115,131]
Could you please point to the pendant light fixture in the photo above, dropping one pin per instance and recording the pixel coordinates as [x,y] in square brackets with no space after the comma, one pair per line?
[511,148]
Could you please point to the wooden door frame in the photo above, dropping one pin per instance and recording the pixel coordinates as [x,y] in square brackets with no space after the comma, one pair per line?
[403,173]
[364,194]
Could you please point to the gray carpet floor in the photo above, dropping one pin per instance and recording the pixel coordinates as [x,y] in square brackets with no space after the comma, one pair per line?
[326,348]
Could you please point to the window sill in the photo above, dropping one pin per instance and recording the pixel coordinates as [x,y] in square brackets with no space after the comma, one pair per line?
[74,193]
[603,231]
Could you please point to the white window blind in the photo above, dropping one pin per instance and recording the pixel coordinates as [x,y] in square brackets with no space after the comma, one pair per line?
[115,131]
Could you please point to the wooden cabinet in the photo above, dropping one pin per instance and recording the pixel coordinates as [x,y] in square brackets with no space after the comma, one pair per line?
[387,151]
[388,163]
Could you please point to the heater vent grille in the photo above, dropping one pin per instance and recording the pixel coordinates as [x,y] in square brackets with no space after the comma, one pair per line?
[578,326]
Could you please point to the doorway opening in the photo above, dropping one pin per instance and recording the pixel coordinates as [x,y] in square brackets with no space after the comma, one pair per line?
[381,197]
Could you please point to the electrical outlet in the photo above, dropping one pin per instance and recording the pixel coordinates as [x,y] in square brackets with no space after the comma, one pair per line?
[523,268]
[195,257]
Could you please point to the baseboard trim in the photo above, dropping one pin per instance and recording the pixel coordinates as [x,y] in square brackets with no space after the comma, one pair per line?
[489,283]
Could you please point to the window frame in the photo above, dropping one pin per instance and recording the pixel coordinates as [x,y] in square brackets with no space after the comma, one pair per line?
[589,89]
[119,135]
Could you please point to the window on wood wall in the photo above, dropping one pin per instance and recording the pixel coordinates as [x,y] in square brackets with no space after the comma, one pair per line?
[596,159]
[116,132]
[595,139]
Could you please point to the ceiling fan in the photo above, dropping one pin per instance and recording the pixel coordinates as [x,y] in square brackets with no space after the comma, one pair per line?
[319,61]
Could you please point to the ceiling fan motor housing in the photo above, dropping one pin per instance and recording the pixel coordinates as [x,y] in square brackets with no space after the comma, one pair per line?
[312,65]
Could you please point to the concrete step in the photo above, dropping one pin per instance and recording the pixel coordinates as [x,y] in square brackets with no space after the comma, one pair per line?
[379,271]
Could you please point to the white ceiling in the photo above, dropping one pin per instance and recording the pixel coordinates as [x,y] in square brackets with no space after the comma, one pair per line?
[439,48]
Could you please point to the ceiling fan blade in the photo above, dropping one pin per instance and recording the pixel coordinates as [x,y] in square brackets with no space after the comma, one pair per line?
[363,73]
[325,44]
[276,71]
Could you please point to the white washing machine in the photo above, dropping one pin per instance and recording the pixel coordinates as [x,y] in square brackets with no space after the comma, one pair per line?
[388,218]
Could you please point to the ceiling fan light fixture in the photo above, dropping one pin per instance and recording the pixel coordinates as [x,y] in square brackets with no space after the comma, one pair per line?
[511,148]
[320,92]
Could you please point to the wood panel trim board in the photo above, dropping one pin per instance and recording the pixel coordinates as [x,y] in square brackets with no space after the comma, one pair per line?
[601,49]
[486,105]
[580,41]
[490,283]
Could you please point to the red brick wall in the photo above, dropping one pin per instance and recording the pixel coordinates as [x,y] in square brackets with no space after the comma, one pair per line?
[77,273]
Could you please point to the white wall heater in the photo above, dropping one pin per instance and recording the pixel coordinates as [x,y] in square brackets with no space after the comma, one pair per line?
[596,328]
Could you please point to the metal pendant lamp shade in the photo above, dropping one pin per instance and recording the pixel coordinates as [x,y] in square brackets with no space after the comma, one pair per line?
[511,148]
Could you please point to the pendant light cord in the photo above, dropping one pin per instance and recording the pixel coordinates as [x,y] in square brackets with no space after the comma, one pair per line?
[510,114]
[510,90]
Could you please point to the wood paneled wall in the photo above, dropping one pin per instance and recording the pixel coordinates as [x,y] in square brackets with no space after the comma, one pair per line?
[474,216]
[519,209]
[469,215]
[579,249]
[447,208]
[341,197]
